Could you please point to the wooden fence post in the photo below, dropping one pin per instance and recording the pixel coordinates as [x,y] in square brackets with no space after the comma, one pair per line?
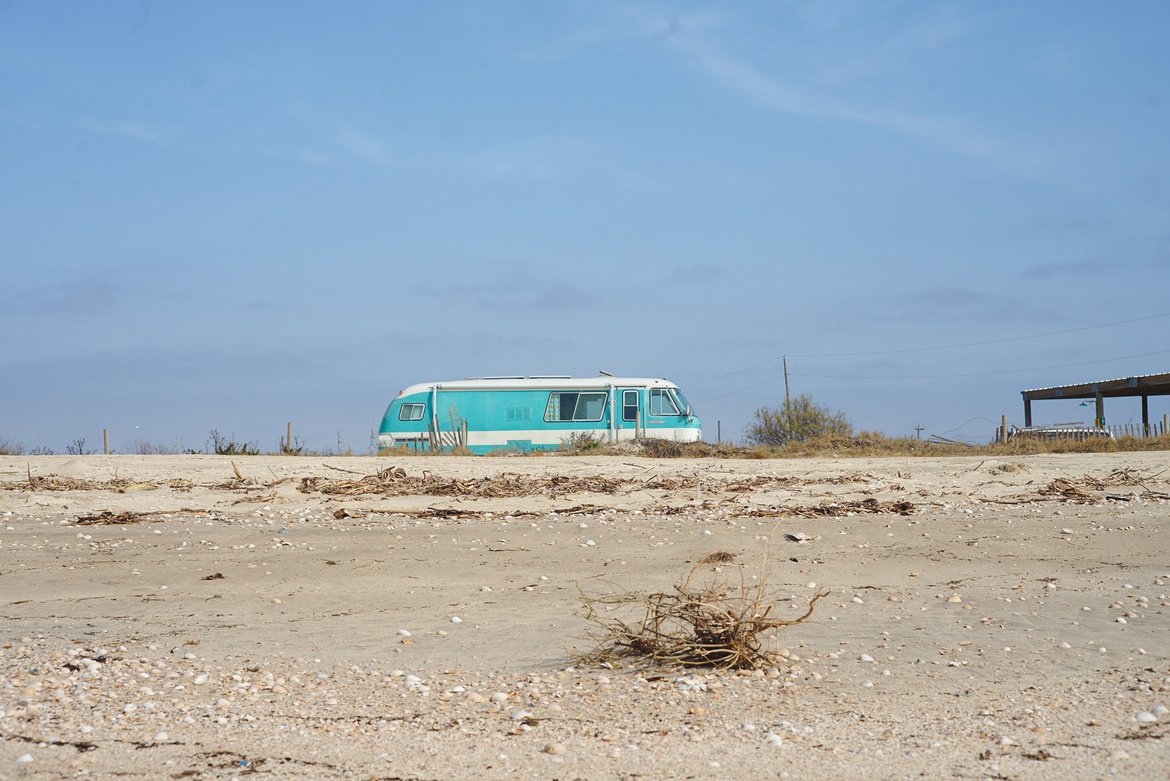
[1003,429]
[288,442]
[106,441]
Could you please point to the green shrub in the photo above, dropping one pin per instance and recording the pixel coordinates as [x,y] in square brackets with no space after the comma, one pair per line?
[799,420]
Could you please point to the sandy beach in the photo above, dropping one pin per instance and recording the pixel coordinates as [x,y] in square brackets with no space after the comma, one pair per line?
[419,618]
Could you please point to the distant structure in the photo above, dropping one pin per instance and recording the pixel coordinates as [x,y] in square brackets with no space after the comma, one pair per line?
[1144,385]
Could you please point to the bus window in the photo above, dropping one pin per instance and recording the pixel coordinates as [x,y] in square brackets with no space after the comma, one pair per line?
[575,406]
[629,406]
[662,402]
[590,406]
[412,411]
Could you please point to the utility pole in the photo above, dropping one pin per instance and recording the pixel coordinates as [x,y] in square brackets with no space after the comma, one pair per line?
[918,431]
[787,390]
[787,400]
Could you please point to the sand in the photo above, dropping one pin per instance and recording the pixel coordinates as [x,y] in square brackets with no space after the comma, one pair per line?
[261,616]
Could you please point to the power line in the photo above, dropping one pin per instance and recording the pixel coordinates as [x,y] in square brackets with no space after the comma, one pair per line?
[933,376]
[984,374]
[985,341]
[928,349]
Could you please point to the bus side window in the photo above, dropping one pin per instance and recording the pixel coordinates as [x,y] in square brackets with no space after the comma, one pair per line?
[411,411]
[629,405]
[661,403]
[560,406]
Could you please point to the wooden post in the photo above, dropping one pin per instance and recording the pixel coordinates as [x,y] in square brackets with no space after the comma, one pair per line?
[1003,429]
[288,442]
[1165,424]
[106,441]
[719,432]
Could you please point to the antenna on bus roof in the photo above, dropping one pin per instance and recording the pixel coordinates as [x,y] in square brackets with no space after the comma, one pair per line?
[604,373]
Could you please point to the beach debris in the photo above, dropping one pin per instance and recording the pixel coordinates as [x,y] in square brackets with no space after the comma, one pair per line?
[58,483]
[1081,489]
[834,509]
[394,481]
[107,518]
[706,624]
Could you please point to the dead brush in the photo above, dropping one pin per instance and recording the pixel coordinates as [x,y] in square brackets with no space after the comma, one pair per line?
[701,622]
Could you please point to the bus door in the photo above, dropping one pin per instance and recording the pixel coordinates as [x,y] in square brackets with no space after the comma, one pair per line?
[631,413]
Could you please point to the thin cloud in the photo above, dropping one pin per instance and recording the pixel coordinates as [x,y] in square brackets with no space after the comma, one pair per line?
[498,297]
[1072,268]
[565,297]
[366,148]
[952,303]
[742,77]
[132,130]
[540,158]
[67,298]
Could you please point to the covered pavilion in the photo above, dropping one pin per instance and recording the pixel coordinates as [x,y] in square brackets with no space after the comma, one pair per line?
[1144,385]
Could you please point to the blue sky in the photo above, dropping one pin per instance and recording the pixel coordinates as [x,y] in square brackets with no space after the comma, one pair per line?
[229,215]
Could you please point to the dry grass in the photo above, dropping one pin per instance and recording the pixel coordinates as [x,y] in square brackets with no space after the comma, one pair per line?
[9,447]
[872,444]
[863,444]
[705,621]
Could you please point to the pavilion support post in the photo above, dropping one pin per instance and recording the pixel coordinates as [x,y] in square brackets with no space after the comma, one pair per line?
[1100,410]
[1145,416]
[1027,412]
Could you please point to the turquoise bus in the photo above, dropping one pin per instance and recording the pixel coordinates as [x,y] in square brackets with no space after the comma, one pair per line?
[536,413]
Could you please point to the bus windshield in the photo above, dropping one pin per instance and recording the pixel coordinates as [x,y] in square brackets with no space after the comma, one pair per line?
[683,404]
